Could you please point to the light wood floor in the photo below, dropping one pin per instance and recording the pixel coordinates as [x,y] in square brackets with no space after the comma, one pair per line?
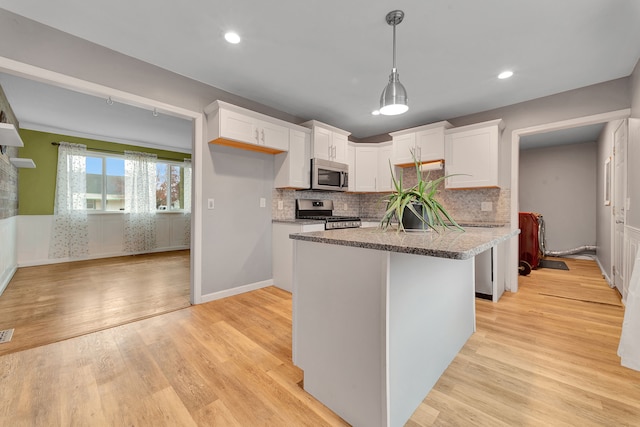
[50,303]
[538,359]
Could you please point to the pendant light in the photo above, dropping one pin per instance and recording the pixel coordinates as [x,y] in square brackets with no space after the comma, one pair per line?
[393,100]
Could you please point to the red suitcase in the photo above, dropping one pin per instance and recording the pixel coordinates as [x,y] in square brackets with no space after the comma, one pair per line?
[530,252]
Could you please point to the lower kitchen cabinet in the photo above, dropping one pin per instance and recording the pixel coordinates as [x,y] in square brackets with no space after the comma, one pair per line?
[282,250]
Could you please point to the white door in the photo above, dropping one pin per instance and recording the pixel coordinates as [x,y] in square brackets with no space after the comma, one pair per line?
[619,197]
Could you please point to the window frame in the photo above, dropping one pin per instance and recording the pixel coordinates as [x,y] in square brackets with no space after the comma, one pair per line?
[169,163]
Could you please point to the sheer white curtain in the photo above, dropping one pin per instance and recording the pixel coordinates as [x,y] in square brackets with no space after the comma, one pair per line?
[70,237]
[187,201]
[140,201]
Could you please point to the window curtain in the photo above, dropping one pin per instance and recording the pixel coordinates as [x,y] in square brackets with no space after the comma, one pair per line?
[186,167]
[70,236]
[140,201]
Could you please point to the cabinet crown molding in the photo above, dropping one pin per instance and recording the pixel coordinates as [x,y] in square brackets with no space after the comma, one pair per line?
[498,122]
[443,124]
[315,123]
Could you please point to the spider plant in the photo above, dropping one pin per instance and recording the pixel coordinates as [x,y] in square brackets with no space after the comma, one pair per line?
[419,197]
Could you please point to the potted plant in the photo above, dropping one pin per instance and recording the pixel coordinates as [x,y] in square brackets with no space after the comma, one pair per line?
[416,208]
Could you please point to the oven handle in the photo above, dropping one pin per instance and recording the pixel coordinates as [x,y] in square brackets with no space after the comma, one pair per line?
[344,180]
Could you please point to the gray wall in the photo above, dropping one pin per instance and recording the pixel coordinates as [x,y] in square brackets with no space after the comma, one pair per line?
[560,183]
[633,153]
[237,232]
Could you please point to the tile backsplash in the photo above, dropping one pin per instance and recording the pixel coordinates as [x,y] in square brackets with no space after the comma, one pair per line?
[463,205]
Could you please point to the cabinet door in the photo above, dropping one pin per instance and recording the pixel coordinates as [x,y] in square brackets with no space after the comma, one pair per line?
[366,168]
[351,161]
[322,148]
[273,136]
[339,143]
[384,182]
[473,153]
[430,144]
[238,127]
[299,158]
[403,147]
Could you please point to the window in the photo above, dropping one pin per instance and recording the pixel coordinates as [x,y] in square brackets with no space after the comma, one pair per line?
[105,184]
[169,186]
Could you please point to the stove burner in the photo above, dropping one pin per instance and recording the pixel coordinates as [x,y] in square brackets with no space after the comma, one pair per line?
[322,210]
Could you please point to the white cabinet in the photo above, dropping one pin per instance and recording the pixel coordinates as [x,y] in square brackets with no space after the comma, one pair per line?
[384,181]
[241,128]
[425,142]
[282,250]
[366,168]
[351,161]
[328,142]
[471,153]
[372,172]
[292,169]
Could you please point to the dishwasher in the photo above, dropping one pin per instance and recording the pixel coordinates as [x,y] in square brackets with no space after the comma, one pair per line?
[484,274]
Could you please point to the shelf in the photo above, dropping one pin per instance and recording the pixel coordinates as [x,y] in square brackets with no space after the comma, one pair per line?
[9,135]
[22,163]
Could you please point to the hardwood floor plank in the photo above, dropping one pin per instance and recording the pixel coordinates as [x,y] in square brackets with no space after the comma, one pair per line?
[45,304]
[535,360]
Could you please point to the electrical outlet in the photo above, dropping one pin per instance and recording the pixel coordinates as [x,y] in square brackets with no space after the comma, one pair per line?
[263,202]
[345,207]
[486,206]
[210,204]
[280,205]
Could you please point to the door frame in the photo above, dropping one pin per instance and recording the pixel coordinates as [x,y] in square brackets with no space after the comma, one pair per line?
[511,274]
[53,78]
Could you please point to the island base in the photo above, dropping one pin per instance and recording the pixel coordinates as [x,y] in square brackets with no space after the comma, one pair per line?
[374,330]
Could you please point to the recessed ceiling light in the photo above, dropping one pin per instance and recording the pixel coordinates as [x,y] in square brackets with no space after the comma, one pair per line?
[232,37]
[505,74]
[375,113]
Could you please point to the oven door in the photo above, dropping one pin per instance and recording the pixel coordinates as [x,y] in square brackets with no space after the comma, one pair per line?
[329,176]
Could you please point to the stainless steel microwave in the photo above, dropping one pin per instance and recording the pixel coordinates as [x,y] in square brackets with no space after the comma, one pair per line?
[329,176]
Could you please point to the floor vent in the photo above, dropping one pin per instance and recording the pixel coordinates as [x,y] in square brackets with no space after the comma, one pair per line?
[5,336]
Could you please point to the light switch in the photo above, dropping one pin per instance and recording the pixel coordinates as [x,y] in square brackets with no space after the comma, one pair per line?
[210,204]
[263,202]
[486,206]
[345,207]
[280,205]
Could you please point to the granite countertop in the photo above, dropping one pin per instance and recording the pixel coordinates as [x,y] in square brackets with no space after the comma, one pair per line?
[462,223]
[445,244]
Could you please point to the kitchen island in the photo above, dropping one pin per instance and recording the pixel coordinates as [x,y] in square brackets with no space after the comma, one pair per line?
[378,316]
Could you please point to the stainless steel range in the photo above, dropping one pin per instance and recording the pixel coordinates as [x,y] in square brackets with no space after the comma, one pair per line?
[322,210]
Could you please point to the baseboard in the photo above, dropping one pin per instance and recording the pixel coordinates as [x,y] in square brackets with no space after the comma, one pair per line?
[604,274]
[48,261]
[236,291]
[7,279]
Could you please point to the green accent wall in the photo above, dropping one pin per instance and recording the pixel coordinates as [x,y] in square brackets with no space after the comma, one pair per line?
[36,187]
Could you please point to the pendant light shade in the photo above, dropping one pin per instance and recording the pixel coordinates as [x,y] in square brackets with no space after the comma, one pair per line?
[394,96]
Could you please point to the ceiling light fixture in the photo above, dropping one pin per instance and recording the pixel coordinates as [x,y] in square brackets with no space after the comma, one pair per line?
[394,96]
[505,75]
[232,37]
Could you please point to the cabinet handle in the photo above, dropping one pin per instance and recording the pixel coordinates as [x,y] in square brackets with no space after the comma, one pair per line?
[334,152]
[262,131]
[329,153]
[257,139]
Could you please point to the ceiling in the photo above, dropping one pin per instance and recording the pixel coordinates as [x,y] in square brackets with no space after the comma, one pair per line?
[329,60]
[574,135]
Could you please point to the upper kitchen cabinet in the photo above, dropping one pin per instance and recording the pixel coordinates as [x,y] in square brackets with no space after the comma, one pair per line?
[471,153]
[292,169]
[372,171]
[328,142]
[241,128]
[425,142]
